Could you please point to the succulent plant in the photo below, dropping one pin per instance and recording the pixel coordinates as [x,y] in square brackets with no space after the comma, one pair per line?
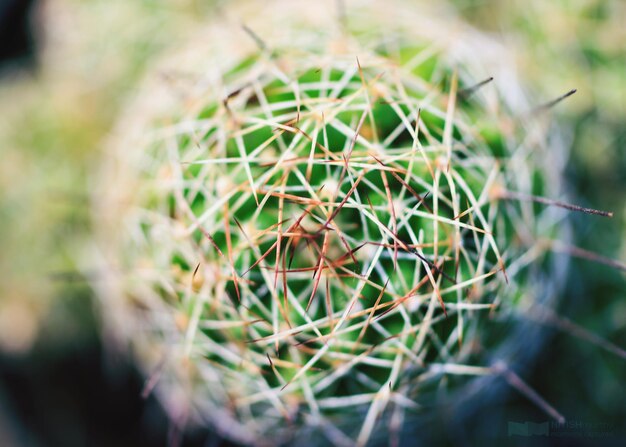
[313,220]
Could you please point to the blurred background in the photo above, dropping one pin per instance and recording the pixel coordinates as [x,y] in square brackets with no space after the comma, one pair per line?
[66,69]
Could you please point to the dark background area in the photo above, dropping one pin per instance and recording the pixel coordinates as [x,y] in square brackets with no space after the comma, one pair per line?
[17,42]
[68,391]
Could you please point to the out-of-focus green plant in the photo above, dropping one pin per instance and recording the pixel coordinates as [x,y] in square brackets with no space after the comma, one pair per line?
[51,124]
[581,44]
[566,44]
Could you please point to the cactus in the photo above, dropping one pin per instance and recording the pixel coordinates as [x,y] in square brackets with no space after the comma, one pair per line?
[312,222]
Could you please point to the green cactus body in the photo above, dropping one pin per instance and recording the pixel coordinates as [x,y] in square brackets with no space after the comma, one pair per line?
[312,236]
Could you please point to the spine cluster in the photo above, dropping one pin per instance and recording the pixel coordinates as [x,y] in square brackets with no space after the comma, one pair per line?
[321,228]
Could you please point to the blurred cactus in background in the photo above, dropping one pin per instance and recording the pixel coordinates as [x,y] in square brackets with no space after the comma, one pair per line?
[53,115]
[580,44]
[52,121]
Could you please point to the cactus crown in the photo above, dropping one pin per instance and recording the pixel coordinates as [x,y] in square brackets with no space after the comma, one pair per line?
[315,235]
